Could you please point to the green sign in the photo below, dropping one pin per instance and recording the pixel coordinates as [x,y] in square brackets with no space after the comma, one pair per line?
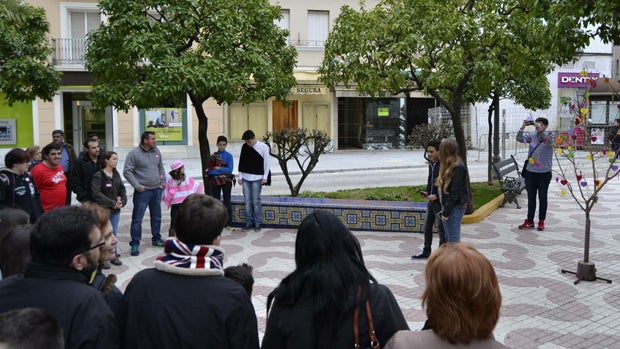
[381,112]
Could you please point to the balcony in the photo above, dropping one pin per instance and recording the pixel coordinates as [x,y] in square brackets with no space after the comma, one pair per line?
[69,52]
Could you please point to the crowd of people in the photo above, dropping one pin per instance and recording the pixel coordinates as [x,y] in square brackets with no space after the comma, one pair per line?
[52,256]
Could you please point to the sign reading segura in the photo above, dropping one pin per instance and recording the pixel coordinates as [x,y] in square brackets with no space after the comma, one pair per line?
[309,90]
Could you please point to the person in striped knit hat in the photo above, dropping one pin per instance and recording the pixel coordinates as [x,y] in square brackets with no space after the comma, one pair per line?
[178,187]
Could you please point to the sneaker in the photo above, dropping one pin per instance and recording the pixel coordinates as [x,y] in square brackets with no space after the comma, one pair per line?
[420,256]
[527,224]
[541,225]
[231,228]
[158,243]
[246,228]
[257,228]
[105,265]
[135,250]
[116,261]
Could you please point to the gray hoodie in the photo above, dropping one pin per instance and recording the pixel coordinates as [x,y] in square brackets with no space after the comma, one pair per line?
[144,168]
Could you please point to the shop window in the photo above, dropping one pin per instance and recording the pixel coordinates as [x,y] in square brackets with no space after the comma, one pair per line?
[169,124]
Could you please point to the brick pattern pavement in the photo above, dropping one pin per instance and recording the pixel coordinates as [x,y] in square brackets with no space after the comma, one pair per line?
[542,308]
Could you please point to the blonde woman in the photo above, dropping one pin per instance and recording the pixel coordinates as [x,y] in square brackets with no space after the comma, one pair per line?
[453,189]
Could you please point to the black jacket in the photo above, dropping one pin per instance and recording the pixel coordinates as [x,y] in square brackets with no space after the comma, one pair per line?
[20,192]
[105,190]
[458,194]
[172,310]
[290,327]
[82,177]
[85,317]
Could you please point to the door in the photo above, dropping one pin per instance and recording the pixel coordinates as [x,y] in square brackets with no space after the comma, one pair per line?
[284,117]
[315,117]
[87,119]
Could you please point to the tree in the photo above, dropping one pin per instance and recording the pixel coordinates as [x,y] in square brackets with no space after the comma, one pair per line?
[301,145]
[584,180]
[459,52]
[228,50]
[25,72]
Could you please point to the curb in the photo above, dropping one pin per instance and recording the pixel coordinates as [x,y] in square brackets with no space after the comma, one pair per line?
[484,211]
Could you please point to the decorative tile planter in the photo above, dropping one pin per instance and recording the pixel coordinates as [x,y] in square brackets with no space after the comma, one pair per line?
[368,215]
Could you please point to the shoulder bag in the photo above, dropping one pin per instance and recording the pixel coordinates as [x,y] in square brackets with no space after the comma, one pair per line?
[374,341]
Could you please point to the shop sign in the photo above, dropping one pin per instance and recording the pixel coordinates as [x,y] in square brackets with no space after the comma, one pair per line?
[309,90]
[575,80]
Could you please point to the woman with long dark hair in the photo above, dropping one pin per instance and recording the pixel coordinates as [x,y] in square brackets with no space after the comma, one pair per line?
[314,306]
[109,191]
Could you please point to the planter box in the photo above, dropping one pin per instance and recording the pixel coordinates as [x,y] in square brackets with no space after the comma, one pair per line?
[368,215]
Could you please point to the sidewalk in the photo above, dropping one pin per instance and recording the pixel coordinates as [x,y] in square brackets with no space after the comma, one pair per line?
[542,308]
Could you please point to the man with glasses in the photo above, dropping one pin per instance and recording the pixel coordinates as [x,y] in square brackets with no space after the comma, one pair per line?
[50,178]
[64,245]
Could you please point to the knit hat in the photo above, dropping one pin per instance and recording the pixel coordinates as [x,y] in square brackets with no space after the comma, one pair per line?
[176,164]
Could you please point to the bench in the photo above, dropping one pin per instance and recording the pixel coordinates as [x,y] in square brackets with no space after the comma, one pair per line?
[513,185]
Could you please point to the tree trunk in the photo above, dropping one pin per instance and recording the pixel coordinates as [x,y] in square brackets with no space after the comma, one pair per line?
[490,146]
[203,140]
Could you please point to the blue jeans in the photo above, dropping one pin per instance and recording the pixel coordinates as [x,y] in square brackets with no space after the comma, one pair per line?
[217,190]
[150,198]
[253,211]
[114,219]
[452,227]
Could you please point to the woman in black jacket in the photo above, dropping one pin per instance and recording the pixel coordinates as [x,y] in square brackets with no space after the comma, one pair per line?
[109,191]
[453,189]
[314,306]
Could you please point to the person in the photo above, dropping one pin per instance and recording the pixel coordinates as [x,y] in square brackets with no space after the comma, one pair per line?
[219,173]
[107,252]
[193,305]
[17,187]
[50,178]
[89,135]
[34,151]
[32,328]
[14,249]
[85,167]
[67,160]
[538,175]
[462,300]
[453,185]
[178,187]
[144,170]
[253,174]
[64,246]
[614,137]
[314,306]
[241,274]
[108,190]
[433,207]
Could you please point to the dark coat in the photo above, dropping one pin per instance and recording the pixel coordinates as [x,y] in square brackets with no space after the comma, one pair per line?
[169,310]
[86,319]
[114,297]
[20,192]
[290,327]
[106,189]
[82,177]
[458,194]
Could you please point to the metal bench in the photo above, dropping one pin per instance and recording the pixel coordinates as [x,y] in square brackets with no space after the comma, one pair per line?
[513,185]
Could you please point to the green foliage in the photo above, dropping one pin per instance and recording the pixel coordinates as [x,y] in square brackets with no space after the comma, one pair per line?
[25,72]
[300,145]
[482,193]
[458,52]
[150,52]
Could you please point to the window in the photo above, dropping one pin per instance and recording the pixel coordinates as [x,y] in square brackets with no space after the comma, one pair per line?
[77,20]
[318,27]
[284,23]
[83,22]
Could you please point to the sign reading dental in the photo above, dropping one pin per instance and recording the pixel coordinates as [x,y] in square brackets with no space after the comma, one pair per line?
[575,80]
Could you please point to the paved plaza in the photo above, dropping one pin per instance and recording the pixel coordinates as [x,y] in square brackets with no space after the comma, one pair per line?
[542,308]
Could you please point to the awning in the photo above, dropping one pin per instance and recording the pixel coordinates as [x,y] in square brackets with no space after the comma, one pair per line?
[604,87]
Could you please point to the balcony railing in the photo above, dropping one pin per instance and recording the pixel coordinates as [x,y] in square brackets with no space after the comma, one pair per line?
[69,51]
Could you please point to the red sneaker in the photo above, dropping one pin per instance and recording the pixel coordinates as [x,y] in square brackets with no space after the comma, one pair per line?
[527,224]
[541,225]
